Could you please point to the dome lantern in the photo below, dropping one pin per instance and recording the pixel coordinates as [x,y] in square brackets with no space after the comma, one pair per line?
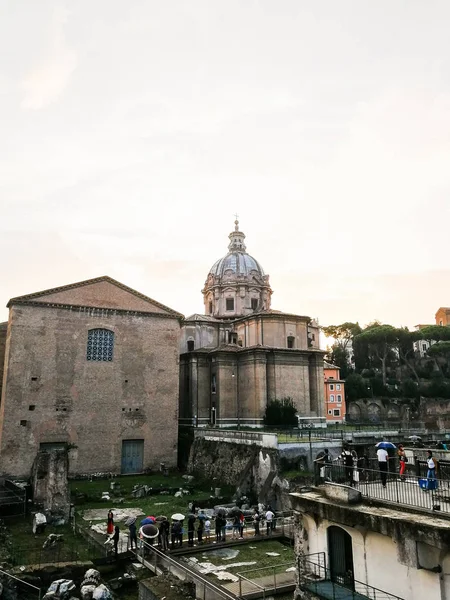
[236,284]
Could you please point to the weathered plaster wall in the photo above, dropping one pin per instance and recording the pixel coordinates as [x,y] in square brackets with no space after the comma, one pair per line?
[385,545]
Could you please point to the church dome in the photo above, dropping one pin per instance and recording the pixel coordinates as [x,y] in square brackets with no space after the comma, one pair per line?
[237,262]
[236,284]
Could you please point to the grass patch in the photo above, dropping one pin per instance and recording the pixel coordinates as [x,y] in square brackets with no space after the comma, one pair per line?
[254,552]
[26,548]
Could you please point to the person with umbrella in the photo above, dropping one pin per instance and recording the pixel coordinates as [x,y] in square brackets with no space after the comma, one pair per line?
[383,457]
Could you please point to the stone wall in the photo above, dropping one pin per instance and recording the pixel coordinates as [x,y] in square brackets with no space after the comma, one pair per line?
[431,412]
[251,469]
[3,333]
[52,394]
[50,483]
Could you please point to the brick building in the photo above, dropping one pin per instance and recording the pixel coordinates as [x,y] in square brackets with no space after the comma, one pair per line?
[94,365]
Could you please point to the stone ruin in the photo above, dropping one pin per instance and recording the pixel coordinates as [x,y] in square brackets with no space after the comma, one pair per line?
[91,588]
[50,484]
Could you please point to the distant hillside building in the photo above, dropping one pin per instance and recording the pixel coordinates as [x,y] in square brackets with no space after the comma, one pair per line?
[421,346]
[241,354]
[334,392]
[443,316]
[94,365]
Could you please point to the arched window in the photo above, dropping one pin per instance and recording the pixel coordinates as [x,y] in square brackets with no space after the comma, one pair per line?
[290,341]
[100,345]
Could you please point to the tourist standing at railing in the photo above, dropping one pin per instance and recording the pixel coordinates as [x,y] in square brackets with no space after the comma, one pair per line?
[208,530]
[403,460]
[431,473]
[322,461]
[218,526]
[347,458]
[383,458]
[236,525]
[269,520]
[241,526]
[191,529]
[256,520]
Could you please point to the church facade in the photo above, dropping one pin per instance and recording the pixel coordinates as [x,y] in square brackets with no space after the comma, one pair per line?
[241,354]
[92,366]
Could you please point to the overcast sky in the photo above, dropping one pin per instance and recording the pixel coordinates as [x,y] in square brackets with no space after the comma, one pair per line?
[131,132]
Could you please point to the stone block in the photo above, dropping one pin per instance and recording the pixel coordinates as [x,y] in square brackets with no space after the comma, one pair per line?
[343,494]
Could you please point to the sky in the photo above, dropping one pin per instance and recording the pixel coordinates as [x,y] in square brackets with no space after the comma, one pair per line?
[131,132]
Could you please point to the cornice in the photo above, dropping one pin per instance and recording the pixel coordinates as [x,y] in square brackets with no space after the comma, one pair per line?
[92,309]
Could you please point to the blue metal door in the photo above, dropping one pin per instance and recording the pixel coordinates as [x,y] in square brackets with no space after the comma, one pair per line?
[132,456]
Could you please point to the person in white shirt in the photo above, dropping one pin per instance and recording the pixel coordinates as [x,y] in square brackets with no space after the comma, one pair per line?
[383,458]
[431,473]
[269,519]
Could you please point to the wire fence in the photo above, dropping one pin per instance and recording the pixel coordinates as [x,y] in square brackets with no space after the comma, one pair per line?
[77,551]
[12,499]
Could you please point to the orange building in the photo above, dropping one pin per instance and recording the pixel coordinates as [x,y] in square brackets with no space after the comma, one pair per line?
[443,316]
[334,394]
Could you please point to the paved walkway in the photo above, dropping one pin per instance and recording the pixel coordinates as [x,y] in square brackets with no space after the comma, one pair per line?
[406,493]
[330,591]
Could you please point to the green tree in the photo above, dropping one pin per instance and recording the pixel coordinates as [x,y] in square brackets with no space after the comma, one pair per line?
[433,334]
[281,414]
[381,339]
[342,334]
[355,387]
[405,347]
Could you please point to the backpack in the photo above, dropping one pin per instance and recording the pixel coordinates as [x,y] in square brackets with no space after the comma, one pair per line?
[348,458]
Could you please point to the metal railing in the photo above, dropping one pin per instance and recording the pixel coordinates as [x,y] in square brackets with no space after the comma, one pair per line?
[271,583]
[26,591]
[159,562]
[314,576]
[416,491]
[283,523]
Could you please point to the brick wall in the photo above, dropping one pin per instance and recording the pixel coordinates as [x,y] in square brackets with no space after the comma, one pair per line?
[52,393]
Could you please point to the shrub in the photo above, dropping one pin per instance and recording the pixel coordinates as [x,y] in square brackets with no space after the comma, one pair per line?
[281,414]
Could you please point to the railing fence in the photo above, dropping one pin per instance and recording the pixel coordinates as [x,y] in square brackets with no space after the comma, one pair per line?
[316,577]
[416,491]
